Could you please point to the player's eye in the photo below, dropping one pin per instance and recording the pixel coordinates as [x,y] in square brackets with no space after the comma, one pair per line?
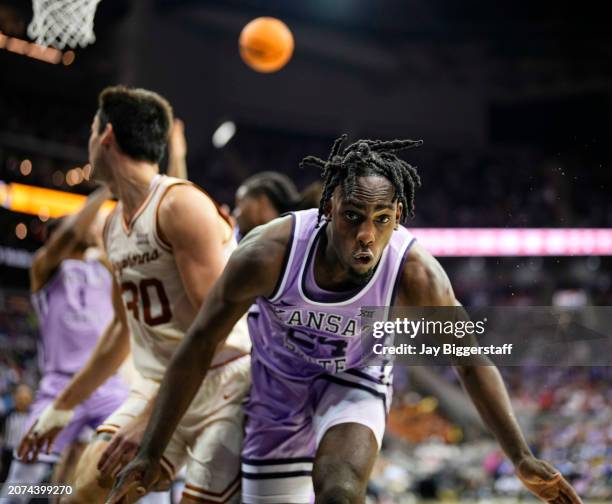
[351,216]
[383,219]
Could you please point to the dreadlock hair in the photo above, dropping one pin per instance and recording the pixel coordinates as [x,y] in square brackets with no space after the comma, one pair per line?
[363,158]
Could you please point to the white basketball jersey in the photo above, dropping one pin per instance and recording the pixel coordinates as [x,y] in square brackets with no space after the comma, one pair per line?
[158,309]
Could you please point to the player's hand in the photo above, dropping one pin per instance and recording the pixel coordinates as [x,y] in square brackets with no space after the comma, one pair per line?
[42,434]
[134,481]
[546,482]
[177,144]
[122,448]
[32,444]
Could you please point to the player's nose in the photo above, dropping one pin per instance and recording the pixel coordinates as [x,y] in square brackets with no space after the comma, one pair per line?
[365,234]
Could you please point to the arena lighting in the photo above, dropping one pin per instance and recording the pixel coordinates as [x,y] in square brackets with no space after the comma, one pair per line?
[25,167]
[42,202]
[46,54]
[223,134]
[21,231]
[496,242]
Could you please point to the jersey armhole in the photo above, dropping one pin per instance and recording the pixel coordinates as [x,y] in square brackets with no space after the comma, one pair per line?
[399,271]
[157,232]
[287,261]
[48,282]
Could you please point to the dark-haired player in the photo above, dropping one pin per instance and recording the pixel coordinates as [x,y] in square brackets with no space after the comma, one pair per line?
[316,412]
[168,244]
[267,195]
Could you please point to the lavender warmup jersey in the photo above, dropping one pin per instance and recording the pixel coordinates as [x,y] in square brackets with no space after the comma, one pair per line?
[73,309]
[302,330]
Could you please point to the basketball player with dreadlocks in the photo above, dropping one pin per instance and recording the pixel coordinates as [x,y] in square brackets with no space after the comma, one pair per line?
[316,412]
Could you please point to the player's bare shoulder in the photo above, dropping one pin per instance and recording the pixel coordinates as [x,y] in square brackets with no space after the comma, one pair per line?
[269,241]
[423,281]
[184,207]
[259,259]
[180,199]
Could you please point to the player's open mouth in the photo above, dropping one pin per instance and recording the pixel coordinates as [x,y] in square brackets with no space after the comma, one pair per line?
[363,257]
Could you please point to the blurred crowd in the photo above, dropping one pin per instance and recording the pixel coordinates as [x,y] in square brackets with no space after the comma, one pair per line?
[565,413]
[18,340]
[19,374]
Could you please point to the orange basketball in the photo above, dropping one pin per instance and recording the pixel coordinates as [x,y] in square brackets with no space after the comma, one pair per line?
[266,44]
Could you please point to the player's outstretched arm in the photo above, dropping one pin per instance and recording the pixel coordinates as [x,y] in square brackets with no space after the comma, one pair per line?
[253,270]
[72,230]
[424,283]
[110,352]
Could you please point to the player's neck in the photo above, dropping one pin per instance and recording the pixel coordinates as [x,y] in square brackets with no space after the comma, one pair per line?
[133,183]
[329,272]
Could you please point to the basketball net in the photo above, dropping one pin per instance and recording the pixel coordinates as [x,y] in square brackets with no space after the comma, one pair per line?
[61,23]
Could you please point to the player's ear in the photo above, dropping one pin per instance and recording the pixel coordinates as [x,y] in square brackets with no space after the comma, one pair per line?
[108,135]
[398,214]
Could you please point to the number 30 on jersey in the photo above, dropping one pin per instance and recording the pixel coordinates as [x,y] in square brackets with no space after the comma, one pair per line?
[148,298]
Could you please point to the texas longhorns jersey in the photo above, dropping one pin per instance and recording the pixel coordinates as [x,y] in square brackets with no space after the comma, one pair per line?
[158,309]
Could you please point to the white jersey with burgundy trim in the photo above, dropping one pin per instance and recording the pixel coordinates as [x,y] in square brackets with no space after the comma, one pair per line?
[158,309]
